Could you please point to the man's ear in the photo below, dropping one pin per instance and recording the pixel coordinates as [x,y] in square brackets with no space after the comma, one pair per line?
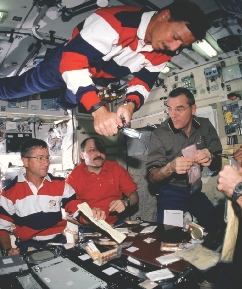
[164,15]
[194,109]
[25,162]
[81,155]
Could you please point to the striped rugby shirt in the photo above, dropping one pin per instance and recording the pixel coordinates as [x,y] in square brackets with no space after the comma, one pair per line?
[109,45]
[36,213]
[105,47]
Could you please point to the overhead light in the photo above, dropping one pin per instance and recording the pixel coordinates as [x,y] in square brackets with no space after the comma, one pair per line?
[102,3]
[3,16]
[207,48]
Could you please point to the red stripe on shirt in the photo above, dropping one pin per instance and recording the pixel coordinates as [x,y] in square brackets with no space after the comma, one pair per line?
[72,61]
[100,73]
[156,58]
[89,99]
[136,81]
[75,32]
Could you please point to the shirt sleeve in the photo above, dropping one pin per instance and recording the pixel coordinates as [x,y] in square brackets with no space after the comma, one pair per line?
[69,201]
[156,152]
[6,212]
[101,40]
[139,87]
[94,41]
[126,182]
[72,179]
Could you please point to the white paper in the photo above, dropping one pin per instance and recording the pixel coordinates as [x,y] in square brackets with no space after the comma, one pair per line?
[173,218]
[68,245]
[84,257]
[159,274]
[110,271]
[147,284]
[134,261]
[149,240]
[167,259]
[70,238]
[7,261]
[144,224]
[132,249]
[122,230]
[86,210]
[148,230]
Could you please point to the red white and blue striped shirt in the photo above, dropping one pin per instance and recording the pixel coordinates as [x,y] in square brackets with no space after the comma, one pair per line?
[110,45]
[35,213]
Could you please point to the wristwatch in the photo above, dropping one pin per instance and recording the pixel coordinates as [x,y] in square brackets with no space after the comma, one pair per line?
[126,201]
[237,191]
[136,107]
[97,106]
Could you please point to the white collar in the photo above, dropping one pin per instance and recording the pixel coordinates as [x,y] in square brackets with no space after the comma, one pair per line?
[22,173]
[145,20]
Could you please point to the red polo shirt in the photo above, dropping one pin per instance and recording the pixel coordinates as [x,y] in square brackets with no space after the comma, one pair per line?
[99,190]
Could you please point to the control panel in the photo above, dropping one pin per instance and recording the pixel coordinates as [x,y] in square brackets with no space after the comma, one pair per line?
[32,105]
[212,72]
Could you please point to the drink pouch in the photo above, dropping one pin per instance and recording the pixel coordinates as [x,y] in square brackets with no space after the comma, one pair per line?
[194,173]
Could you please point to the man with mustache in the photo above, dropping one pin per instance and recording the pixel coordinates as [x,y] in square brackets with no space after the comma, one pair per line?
[168,167]
[105,185]
[112,43]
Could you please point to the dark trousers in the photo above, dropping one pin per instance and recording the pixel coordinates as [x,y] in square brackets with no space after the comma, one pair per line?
[43,77]
[230,274]
[179,198]
[25,245]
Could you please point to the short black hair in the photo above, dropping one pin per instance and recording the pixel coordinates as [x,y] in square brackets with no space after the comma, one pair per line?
[182,90]
[184,10]
[30,144]
[99,143]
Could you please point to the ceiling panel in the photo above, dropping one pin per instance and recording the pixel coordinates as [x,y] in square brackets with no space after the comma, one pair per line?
[22,14]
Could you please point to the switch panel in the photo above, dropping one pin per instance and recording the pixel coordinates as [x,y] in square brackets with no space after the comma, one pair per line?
[20,103]
[211,72]
[49,104]
[187,82]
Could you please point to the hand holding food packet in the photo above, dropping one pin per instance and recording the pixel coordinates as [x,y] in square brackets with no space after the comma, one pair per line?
[194,173]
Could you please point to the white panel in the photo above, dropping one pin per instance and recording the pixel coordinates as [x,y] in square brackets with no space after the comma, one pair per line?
[210,113]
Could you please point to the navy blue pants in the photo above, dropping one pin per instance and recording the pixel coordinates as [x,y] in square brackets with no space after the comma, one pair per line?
[24,245]
[43,77]
[179,198]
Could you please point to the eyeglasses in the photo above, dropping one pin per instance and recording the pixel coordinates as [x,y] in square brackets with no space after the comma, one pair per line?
[177,109]
[40,159]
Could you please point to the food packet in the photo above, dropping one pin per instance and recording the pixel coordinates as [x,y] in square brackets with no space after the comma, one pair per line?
[194,173]
[170,247]
[108,255]
[91,249]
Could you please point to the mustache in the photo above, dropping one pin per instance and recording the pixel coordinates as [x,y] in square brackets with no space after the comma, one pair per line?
[168,52]
[99,158]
